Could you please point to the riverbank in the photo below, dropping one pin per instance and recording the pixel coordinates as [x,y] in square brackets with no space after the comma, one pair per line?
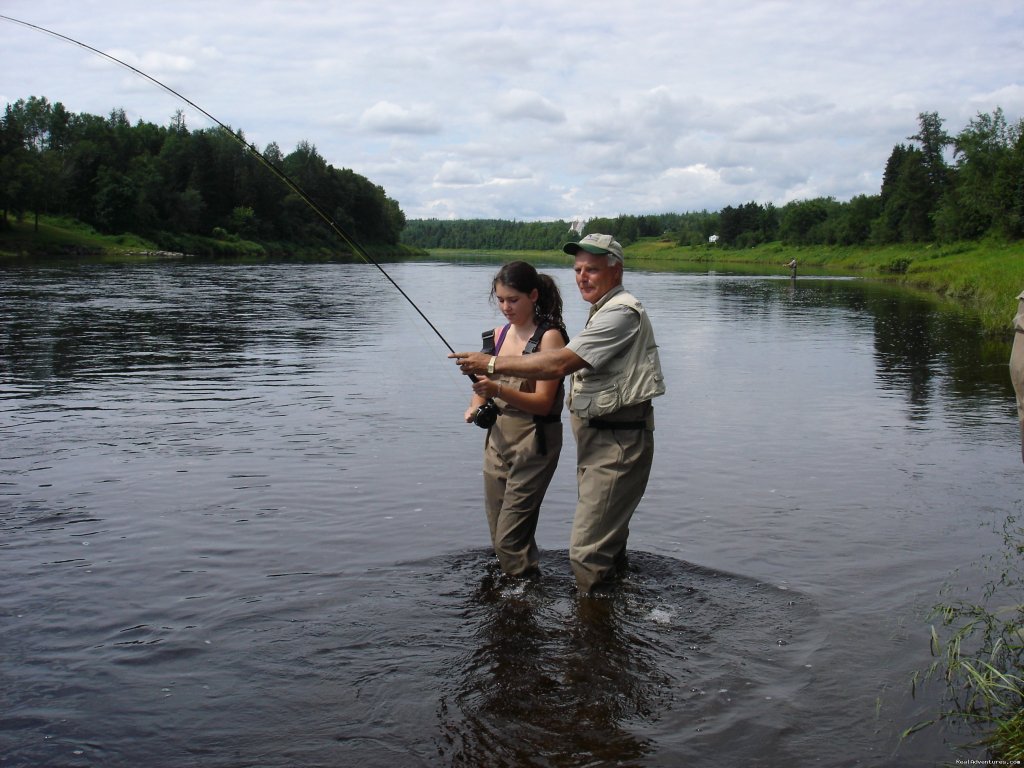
[982,277]
[57,237]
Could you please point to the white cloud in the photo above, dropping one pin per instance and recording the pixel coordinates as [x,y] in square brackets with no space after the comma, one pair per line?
[455,174]
[385,117]
[538,109]
[157,63]
[1009,97]
[525,105]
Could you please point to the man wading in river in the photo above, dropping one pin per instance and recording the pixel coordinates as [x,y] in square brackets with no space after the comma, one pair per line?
[615,374]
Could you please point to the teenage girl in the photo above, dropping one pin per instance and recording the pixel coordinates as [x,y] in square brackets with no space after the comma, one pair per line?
[522,447]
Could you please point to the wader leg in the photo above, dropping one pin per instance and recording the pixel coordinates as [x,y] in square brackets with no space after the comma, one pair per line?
[613,467]
[515,489]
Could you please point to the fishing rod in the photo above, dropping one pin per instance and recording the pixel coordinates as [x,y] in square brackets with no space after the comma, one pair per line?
[251,148]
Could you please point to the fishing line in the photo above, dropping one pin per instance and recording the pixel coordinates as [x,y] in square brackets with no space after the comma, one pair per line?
[251,148]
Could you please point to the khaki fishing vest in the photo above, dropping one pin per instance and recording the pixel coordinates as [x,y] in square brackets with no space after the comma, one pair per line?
[631,378]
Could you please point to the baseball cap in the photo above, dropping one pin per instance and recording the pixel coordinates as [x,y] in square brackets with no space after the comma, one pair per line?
[597,245]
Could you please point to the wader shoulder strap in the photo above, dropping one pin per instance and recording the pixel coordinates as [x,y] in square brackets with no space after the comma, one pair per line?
[534,342]
[489,347]
[542,328]
[540,421]
[492,348]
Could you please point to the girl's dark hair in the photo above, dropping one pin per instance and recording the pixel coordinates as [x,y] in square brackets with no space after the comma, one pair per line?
[522,277]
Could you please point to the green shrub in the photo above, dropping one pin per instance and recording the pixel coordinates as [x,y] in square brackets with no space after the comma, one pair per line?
[898,266]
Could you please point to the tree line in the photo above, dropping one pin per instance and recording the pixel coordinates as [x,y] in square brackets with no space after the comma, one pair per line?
[500,234]
[166,182]
[923,198]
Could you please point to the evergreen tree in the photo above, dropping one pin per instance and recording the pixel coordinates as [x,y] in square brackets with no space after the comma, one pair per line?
[933,140]
[907,198]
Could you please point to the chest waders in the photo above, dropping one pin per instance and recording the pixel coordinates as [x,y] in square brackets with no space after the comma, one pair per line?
[490,347]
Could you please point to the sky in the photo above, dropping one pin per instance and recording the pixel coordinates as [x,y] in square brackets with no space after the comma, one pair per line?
[544,110]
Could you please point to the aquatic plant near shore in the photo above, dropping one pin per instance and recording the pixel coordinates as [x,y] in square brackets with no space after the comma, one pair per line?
[982,659]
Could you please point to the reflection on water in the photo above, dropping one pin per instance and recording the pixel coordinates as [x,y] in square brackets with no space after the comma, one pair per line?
[916,342]
[540,686]
[88,323]
[240,524]
[547,679]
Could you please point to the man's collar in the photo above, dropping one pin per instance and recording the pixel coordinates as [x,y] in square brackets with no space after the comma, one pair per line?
[604,299]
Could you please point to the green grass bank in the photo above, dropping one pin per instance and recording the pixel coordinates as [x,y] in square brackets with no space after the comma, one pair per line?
[61,238]
[983,278]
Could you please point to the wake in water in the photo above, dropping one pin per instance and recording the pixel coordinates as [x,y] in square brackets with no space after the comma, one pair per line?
[646,675]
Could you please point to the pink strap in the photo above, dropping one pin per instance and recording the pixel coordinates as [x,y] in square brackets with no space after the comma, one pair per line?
[501,338]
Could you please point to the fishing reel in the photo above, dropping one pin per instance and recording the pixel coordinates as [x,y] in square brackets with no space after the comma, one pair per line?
[485,416]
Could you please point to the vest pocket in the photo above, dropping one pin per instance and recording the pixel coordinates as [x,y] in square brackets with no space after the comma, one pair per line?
[590,404]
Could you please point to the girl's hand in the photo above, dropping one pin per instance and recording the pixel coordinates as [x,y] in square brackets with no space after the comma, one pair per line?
[468,416]
[485,388]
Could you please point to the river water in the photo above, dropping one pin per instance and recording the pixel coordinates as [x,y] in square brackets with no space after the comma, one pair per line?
[242,526]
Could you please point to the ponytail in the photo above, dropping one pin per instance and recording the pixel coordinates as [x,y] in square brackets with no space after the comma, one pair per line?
[523,277]
[549,303]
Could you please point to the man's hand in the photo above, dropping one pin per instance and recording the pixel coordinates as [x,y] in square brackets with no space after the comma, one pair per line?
[471,362]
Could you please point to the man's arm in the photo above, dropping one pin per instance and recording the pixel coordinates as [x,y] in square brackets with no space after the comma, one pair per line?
[550,364]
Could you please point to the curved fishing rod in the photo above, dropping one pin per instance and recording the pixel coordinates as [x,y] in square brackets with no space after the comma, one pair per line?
[287,180]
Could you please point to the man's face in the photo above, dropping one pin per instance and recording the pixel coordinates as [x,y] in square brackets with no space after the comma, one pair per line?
[594,276]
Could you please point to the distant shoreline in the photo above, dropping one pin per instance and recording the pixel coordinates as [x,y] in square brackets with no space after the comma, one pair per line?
[983,277]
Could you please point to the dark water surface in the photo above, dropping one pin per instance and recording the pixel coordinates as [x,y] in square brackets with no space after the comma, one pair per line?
[241,525]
